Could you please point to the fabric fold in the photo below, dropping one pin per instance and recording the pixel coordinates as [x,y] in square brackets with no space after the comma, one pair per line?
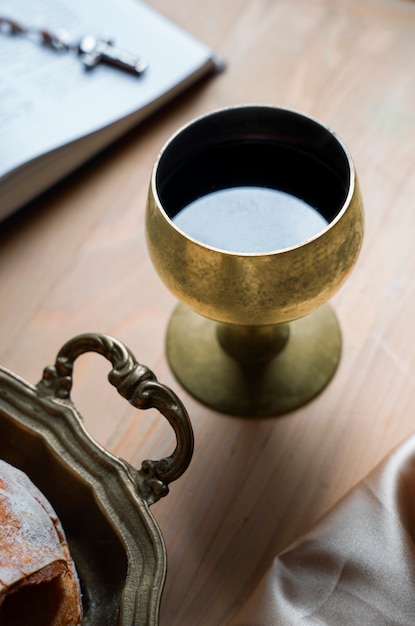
[356,567]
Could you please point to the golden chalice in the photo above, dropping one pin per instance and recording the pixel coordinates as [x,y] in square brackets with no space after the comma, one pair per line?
[254,220]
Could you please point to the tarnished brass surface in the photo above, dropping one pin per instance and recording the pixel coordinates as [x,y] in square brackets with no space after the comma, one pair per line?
[102,501]
[255,289]
[254,388]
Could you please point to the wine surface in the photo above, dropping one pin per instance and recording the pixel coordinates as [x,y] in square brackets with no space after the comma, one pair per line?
[250,220]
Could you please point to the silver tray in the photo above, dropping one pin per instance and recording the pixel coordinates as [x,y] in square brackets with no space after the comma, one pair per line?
[102,501]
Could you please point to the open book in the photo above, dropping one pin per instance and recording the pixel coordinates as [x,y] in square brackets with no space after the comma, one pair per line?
[55,114]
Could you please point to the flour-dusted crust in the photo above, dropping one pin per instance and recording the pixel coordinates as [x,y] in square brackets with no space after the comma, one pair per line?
[38,581]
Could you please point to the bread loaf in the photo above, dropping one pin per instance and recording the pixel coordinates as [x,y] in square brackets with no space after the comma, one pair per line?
[38,580]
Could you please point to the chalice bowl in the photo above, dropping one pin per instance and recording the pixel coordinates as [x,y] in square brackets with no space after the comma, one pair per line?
[254,220]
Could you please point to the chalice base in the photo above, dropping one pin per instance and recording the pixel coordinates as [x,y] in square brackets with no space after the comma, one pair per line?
[296,375]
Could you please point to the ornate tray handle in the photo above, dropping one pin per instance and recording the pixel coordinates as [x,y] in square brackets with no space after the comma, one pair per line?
[137,384]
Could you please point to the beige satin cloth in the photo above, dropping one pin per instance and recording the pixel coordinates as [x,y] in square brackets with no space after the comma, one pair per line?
[356,567]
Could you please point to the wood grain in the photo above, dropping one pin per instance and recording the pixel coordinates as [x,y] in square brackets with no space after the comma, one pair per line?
[76,261]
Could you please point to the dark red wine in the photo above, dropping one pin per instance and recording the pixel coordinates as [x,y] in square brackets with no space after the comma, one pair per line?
[250,220]
[252,196]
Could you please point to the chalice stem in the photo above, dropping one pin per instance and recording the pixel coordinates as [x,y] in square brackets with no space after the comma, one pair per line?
[253,344]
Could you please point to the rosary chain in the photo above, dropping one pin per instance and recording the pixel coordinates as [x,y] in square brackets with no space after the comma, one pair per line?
[46,37]
[91,50]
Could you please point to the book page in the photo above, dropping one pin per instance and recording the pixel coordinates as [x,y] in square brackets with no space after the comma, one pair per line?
[48,99]
[33,76]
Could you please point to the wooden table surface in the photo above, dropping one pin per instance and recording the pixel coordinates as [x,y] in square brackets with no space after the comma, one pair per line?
[76,260]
